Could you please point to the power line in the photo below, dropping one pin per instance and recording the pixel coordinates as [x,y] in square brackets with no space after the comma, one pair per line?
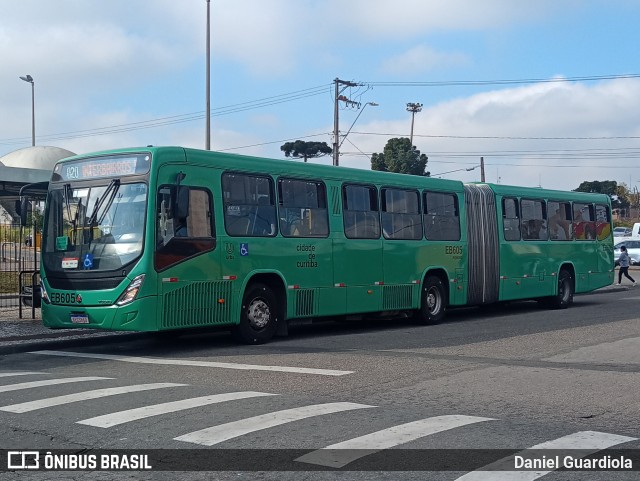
[449,83]
[182,118]
[501,137]
[322,89]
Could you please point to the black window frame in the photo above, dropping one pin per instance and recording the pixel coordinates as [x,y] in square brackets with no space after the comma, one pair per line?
[256,222]
[285,225]
[375,202]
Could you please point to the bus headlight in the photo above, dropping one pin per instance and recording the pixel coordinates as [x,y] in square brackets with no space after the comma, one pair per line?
[131,292]
[43,293]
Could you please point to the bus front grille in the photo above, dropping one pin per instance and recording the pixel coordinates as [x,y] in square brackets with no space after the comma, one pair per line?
[197,304]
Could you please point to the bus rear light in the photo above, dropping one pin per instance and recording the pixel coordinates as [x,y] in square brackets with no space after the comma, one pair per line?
[415,282]
[339,284]
[295,286]
[131,292]
[170,279]
[378,283]
[229,278]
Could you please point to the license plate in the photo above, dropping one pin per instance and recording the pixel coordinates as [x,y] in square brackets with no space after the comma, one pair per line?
[79,319]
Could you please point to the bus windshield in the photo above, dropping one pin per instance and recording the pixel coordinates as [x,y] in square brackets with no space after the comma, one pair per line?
[99,228]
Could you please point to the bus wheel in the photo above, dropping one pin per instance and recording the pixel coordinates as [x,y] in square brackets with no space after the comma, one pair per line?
[434,301]
[564,297]
[259,316]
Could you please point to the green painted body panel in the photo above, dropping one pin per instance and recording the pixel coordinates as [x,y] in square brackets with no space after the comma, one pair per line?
[327,276]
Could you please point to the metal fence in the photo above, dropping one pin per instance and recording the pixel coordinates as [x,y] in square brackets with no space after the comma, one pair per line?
[20,269]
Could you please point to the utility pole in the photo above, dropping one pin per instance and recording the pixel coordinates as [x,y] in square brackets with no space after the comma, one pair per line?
[413,108]
[481,169]
[336,129]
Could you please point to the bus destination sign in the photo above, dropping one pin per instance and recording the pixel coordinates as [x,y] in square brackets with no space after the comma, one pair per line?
[98,167]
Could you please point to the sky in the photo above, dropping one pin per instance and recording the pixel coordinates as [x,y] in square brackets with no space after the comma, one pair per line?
[547,92]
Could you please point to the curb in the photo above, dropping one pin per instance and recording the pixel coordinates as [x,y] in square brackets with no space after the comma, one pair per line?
[88,339]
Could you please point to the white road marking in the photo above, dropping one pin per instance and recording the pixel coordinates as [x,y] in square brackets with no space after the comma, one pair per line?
[82,396]
[224,432]
[588,442]
[48,382]
[129,415]
[20,373]
[341,454]
[188,362]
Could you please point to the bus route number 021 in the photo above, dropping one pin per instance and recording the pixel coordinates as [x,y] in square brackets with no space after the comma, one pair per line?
[453,250]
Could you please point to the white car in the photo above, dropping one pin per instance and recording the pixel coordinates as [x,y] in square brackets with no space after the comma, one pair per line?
[633,249]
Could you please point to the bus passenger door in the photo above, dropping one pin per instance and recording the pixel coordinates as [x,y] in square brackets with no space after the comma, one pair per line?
[357,256]
[357,267]
[189,278]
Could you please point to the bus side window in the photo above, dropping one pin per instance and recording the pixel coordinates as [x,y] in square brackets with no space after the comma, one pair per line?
[603,222]
[179,238]
[559,220]
[511,219]
[400,211]
[584,226]
[303,208]
[249,207]
[534,219]
[360,212]
[442,217]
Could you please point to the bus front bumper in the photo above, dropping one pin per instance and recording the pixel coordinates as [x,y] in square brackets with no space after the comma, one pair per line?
[139,315]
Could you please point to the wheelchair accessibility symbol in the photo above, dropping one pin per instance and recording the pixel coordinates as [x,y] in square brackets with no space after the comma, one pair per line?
[244,249]
[87,261]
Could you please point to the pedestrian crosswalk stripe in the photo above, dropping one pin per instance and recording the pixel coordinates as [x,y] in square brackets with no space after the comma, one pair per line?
[19,373]
[341,454]
[224,432]
[588,442]
[83,396]
[129,415]
[194,363]
[48,382]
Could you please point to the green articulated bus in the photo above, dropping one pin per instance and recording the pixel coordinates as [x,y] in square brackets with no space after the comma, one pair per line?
[165,238]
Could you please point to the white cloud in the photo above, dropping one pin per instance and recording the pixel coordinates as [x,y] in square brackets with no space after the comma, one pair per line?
[422,58]
[576,115]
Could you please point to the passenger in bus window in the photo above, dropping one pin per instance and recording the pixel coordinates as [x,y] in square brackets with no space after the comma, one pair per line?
[181,228]
[559,226]
[536,229]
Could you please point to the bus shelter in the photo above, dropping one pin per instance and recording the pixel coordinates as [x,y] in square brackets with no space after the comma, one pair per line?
[19,244]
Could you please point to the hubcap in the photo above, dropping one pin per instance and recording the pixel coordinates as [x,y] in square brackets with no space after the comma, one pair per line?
[433,301]
[258,314]
[564,290]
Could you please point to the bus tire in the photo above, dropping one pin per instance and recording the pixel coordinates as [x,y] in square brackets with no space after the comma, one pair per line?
[258,316]
[433,303]
[566,289]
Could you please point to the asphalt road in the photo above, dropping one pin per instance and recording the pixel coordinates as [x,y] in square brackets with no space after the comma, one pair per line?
[390,394]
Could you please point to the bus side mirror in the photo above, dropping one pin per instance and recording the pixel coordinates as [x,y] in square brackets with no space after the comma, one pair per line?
[182,202]
[22,209]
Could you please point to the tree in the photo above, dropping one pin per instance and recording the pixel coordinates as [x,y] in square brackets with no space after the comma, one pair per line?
[402,157]
[305,150]
[619,193]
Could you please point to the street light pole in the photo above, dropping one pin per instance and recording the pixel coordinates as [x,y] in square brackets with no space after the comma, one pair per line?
[413,108]
[208,88]
[29,79]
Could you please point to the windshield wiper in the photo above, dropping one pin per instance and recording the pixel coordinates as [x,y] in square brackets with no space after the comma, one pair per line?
[108,196]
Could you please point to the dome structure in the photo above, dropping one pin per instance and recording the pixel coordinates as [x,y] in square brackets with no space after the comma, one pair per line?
[38,157]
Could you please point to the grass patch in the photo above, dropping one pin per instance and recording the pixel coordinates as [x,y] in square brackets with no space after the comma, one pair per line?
[8,282]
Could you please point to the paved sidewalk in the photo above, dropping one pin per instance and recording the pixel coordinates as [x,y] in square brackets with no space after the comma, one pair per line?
[20,335]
